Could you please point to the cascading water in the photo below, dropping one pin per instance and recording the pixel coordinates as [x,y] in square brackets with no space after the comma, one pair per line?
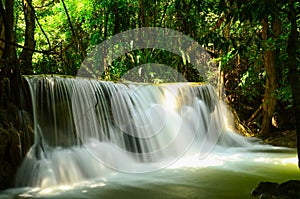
[86,128]
[96,139]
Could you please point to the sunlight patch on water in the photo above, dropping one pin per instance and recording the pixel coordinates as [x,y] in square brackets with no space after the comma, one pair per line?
[195,162]
[58,190]
[238,157]
[101,184]
[281,161]
[290,161]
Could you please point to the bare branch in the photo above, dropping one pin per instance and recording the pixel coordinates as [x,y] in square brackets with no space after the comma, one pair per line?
[77,40]
[40,26]
[69,19]
[46,52]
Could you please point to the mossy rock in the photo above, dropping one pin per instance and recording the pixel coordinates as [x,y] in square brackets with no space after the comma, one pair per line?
[10,155]
[284,138]
[286,190]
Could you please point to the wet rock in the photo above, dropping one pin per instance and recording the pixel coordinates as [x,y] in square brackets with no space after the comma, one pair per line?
[265,188]
[282,138]
[25,127]
[10,155]
[286,190]
[289,189]
[267,196]
[16,128]
[16,137]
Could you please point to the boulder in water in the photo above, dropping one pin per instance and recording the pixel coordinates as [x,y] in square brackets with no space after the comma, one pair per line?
[286,190]
[289,189]
[265,188]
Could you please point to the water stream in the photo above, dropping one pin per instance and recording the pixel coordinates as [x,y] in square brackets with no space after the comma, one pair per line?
[96,139]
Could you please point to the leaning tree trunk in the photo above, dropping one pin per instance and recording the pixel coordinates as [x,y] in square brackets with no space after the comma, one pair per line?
[7,12]
[269,100]
[294,72]
[26,55]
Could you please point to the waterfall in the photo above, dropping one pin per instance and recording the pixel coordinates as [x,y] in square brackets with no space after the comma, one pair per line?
[86,128]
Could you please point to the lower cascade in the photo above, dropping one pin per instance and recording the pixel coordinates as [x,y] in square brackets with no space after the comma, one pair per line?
[86,128]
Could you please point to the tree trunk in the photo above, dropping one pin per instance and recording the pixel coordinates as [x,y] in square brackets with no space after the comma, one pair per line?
[269,100]
[294,72]
[106,17]
[9,53]
[78,41]
[154,13]
[142,14]
[117,18]
[26,55]
[2,36]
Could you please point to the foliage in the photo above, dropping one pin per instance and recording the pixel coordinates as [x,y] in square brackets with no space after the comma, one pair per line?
[231,31]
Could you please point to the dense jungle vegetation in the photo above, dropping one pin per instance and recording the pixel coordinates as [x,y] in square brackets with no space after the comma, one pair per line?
[255,43]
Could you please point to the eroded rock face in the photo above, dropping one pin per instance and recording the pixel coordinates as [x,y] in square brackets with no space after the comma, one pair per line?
[10,156]
[16,131]
[16,138]
[286,190]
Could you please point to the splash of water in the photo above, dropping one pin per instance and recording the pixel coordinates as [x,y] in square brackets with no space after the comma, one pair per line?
[87,128]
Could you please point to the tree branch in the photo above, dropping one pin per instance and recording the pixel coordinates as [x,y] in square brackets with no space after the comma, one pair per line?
[46,52]
[219,22]
[40,26]
[254,115]
[69,19]
[78,41]
[164,13]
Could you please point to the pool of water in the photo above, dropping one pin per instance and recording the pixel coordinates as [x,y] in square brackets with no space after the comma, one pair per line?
[231,173]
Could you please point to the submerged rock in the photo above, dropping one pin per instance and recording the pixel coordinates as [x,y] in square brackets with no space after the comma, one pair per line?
[286,190]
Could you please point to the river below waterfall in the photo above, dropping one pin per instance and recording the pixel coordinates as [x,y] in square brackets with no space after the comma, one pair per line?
[232,173]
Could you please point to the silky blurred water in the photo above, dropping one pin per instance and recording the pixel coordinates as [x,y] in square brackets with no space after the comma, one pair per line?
[232,173]
[96,139]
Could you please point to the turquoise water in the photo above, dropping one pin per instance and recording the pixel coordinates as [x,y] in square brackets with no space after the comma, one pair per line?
[232,173]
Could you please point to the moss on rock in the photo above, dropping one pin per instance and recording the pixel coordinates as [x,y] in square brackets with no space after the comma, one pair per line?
[10,155]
